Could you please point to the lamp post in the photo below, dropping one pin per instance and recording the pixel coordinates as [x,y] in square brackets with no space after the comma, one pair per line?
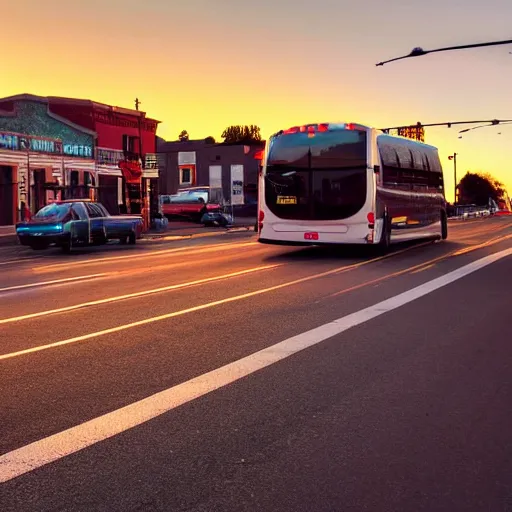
[454,158]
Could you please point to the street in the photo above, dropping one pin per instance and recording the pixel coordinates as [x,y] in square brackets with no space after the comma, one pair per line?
[220,374]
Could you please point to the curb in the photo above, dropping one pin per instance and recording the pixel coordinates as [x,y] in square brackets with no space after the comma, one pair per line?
[8,240]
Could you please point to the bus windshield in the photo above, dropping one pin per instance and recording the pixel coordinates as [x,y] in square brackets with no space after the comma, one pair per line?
[320,176]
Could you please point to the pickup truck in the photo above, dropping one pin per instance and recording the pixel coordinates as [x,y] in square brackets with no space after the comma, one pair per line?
[77,223]
[191,203]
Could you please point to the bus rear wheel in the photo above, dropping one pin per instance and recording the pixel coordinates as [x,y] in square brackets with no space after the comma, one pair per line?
[444,226]
[385,238]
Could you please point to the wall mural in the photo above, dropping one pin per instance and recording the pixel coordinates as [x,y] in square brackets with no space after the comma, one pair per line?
[32,119]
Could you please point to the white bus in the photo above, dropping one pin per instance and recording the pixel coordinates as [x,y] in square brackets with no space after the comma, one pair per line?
[346,183]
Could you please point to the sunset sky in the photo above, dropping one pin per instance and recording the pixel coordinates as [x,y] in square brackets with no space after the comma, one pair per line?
[201,65]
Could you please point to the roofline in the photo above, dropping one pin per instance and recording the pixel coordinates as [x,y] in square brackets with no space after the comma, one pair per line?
[43,100]
[78,101]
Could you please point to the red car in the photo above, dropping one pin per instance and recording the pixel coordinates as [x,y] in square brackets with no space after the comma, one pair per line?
[191,203]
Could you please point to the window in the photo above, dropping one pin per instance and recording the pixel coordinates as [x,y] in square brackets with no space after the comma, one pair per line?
[131,144]
[94,211]
[74,178]
[317,178]
[408,164]
[53,211]
[185,176]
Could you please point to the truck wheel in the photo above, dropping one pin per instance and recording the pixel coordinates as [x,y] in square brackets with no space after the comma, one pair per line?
[123,240]
[132,239]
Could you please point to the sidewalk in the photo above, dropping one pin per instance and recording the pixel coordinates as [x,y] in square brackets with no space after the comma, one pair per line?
[177,230]
[8,235]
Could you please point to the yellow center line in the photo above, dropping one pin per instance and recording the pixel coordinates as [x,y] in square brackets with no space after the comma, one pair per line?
[143,255]
[423,269]
[48,283]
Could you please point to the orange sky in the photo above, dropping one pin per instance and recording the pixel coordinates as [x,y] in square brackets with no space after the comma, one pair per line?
[206,64]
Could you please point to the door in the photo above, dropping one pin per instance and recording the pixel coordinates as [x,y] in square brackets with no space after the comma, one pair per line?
[38,196]
[108,193]
[96,223]
[7,188]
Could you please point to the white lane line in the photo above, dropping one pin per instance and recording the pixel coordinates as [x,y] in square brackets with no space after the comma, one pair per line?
[52,448]
[135,294]
[47,283]
[174,314]
[190,251]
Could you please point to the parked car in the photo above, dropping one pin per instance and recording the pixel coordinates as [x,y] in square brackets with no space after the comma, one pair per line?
[77,223]
[191,203]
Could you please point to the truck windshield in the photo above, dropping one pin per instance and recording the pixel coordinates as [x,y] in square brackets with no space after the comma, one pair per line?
[320,176]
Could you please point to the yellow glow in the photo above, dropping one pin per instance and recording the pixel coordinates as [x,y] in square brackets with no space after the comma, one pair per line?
[203,65]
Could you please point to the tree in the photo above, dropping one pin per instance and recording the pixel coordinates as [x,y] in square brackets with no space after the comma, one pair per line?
[209,140]
[239,134]
[183,136]
[477,188]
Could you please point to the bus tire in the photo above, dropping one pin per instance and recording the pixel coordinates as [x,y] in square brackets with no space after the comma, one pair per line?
[444,225]
[385,238]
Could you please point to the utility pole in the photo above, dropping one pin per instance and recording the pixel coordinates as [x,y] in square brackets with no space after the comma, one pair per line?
[137,103]
[454,158]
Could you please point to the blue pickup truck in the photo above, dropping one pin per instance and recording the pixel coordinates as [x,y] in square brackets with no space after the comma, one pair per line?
[69,224]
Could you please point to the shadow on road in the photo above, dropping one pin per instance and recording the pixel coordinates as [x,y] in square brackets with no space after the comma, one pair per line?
[353,252]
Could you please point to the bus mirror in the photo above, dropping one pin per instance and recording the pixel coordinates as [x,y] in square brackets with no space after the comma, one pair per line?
[376,169]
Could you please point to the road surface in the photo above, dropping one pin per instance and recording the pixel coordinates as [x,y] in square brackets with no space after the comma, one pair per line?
[225,375]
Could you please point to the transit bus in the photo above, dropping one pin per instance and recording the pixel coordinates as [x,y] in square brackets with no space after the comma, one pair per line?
[345,183]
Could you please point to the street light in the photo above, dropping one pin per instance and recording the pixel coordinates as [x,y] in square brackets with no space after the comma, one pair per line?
[494,123]
[454,158]
[418,52]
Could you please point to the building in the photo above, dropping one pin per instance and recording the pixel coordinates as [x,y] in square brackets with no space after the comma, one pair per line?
[126,162]
[233,168]
[61,148]
[39,152]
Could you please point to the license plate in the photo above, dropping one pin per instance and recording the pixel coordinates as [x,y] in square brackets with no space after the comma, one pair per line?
[310,236]
[286,200]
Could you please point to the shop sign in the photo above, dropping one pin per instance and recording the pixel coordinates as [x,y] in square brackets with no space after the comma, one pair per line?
[132,171]
[237,184]
[17,142]
[77,150]
[9,141]
[151,161]
[22,185]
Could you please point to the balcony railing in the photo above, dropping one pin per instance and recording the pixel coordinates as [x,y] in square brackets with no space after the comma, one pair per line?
[112,157]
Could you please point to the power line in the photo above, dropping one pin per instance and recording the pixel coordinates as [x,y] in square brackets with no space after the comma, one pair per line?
[449,124]
[418,52]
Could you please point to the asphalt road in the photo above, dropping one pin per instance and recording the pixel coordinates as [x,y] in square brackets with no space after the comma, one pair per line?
[219,374]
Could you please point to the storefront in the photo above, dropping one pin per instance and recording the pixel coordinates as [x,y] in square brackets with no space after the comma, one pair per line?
[42,158]
[127,186]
